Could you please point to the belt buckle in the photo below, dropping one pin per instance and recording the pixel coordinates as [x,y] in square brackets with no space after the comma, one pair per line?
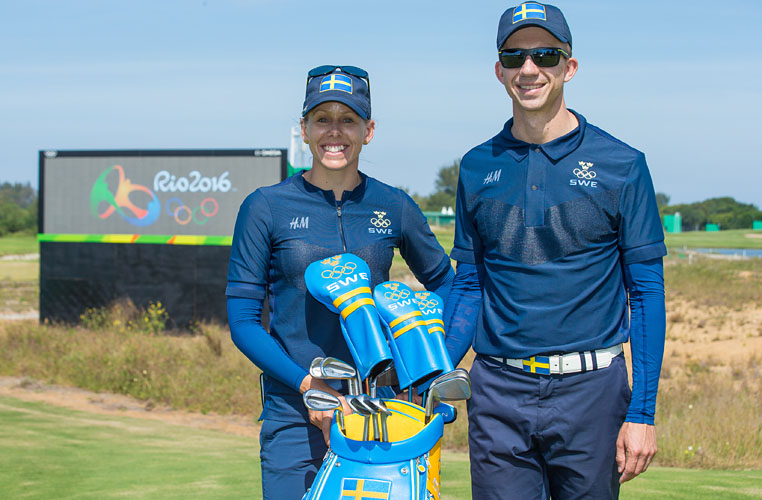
[560,360]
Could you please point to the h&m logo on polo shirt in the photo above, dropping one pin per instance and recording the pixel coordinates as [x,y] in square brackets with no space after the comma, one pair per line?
[299,223]
[380,223]
[493,176]
[585,175]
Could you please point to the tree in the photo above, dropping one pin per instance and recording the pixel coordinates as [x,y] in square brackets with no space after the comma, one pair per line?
[662,200]
[725,211]
[446,185]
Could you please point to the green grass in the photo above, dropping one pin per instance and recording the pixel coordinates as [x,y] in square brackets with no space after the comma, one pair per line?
[19,243]
[734,238]
[52,452]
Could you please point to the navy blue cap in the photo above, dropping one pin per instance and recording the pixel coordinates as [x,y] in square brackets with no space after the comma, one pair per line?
[545,16]
[338,86]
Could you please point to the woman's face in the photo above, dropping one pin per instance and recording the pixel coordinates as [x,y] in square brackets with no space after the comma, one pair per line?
[336,135]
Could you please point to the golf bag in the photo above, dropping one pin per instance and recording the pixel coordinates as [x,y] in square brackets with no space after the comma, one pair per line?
[405,468]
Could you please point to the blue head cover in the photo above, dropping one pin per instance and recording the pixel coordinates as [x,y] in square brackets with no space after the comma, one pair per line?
[342,284]
[431,306]
[416,358]
[548,17]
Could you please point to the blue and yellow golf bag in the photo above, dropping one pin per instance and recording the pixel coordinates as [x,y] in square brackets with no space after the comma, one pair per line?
[405,468]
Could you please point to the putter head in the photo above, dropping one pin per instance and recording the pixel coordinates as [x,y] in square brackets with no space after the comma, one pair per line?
[316,400]
[333,368]
[359,404]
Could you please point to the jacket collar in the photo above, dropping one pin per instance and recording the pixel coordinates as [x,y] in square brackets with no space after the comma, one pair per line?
[313,190]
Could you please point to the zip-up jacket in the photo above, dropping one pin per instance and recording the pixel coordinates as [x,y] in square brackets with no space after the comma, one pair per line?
[279,231]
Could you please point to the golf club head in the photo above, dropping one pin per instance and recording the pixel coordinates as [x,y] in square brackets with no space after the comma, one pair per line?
[379,406]
[315,370]
[451,386]
[317,400]
[359,404]
[333,368]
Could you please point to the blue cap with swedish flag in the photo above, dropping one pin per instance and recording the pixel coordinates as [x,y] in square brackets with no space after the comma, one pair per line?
[348,85]
[544,16]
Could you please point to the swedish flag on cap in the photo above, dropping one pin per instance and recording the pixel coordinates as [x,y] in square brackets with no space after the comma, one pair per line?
[529,10]
[547,17]
[348,85]
[336,81]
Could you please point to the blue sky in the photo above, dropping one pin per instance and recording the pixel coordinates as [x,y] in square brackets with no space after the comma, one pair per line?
[679,80]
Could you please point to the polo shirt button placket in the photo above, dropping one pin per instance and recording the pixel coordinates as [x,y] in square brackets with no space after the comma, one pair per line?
[534,202]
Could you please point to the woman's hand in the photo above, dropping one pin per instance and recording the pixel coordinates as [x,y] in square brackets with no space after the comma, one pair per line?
[322,419]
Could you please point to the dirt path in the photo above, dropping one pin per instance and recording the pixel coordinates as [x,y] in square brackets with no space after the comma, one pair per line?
[74,398]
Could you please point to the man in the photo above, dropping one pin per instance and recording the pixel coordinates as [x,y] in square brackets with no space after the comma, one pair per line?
[557,233]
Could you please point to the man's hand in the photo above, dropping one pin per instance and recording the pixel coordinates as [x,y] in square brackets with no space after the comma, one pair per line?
[322,419]
[635,448]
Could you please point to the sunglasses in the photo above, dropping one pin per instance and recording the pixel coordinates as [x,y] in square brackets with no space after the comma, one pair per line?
[543,57]
[328,69]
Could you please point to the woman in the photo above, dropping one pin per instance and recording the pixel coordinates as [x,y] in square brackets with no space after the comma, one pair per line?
[330,209]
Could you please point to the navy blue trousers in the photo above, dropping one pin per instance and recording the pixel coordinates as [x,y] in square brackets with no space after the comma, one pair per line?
[534,436]
[291,454]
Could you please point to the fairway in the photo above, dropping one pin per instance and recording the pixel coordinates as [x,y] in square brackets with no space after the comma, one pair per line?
[52,452]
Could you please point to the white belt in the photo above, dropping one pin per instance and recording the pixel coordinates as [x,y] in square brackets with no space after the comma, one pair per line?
[573,362]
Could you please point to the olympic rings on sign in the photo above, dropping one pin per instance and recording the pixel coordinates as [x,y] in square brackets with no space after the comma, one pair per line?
[339,271]
[183,214]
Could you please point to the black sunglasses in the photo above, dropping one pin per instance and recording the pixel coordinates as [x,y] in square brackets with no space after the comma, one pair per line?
[543,57]
[328,69]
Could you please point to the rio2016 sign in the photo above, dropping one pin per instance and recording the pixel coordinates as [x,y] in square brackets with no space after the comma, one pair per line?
[120,203]
[152,193]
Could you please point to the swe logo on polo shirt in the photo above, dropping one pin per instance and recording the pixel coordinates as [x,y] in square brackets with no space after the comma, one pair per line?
[380,224]
[584,175]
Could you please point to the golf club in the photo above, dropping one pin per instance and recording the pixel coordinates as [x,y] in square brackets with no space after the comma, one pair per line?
[451,386]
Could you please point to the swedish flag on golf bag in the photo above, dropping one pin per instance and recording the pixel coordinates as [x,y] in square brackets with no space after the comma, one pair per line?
[342,284]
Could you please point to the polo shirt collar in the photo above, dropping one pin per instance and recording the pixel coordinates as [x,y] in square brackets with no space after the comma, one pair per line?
[555,149]
[313,190]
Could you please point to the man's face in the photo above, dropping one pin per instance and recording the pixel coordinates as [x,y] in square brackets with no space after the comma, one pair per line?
[535,89]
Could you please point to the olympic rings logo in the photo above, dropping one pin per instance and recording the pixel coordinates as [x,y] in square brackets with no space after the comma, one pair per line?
[395,294]
[339,271]
[424,302]
[183,214]
[380,221]
[584,172]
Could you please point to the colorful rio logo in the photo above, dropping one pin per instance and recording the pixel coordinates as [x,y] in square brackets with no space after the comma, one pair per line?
[121,204]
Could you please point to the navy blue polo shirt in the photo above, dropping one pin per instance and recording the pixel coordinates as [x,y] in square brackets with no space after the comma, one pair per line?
[553,223]
[281,229]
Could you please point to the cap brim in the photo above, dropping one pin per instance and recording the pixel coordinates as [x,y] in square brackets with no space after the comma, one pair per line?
[337,98]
